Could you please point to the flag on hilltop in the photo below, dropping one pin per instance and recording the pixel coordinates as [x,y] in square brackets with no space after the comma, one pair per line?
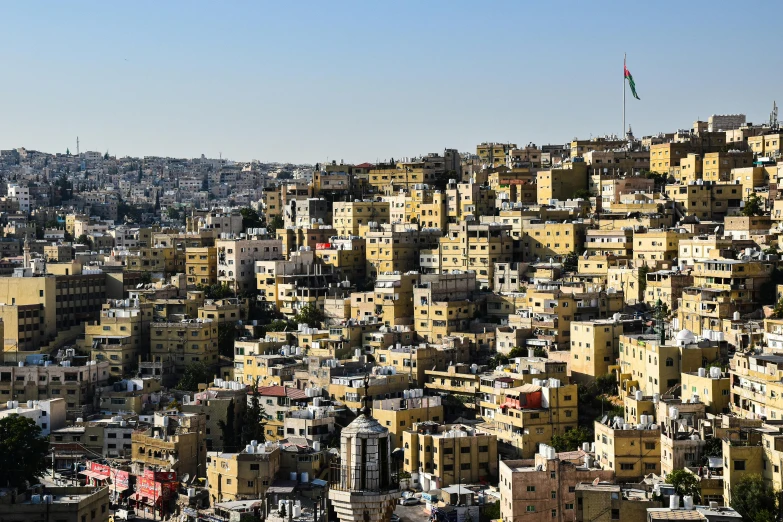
[628,77]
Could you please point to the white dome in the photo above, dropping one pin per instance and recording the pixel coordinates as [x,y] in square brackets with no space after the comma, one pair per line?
[686,336]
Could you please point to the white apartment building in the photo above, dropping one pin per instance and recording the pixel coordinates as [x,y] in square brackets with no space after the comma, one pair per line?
[21,194]
[48,414]
[237,260]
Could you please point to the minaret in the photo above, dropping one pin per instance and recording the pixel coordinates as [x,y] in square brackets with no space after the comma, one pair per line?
[362,485]
[26,252]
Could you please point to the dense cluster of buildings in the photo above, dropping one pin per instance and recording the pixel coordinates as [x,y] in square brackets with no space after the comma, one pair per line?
[212,340]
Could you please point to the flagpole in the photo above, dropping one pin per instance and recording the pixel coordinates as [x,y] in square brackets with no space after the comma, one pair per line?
[622,134]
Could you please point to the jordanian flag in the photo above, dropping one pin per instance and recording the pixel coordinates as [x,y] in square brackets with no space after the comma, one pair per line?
[630,81]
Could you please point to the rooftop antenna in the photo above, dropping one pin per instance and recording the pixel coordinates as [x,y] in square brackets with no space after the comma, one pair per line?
[77,145]
[773,116]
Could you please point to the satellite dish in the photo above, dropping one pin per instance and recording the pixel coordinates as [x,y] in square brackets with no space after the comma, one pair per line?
[596,481]
[186,477]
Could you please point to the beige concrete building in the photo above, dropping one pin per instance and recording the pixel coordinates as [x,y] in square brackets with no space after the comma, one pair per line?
[442,455]
[119,336]
[525,416]
[627,450]
[353,218]
[606,502]
[68,504]
[561,183]
[543,488]
[184,342]
[400,414]
[175,442]
[201,266]
[477,247]
[654,367]
[236,260]
[244,475]
[711,386]
[594,348]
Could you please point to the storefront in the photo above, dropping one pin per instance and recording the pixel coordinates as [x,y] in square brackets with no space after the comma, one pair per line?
[99,475]
[155,491]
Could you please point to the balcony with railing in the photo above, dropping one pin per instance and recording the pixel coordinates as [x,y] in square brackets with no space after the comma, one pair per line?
[364,479]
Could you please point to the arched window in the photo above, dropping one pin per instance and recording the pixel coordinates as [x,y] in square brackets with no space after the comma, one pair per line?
[669,361]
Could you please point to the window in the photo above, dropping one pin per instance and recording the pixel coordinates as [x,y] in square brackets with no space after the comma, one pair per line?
[531,489]
[554,513]
[530,509]
[554,494]
[615,514]
[649,445]
[739,465]
[627,467]
[669,361]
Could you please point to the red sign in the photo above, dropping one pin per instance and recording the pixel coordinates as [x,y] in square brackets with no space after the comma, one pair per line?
[121,479]
[101,469]
[149,488]
[160,476]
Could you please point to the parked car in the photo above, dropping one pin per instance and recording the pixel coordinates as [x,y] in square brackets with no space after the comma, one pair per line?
[125,514]
[409,501]
[395,518]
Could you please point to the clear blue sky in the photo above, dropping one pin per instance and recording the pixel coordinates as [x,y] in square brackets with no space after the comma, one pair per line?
[302,81]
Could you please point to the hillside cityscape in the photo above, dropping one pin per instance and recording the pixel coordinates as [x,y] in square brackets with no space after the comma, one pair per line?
[585,331]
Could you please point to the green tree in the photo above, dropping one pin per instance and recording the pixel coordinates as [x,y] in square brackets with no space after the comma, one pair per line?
[195,373]
[754,206]
[517,351]
[571,262]
[642,274]
[255,418]
[309,315]
[273,223]
[279,325]
[22,451]
[572,439]
[227,334]
[753,499]
[659,180]
[582,193]
[227,428]
[250,218]
[777,312]
[684,483]
[712,448]
[216,291]
[84,239]
[499,359]
[490,512]
[174,213]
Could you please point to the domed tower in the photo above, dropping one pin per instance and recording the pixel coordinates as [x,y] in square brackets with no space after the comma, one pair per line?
[363,487]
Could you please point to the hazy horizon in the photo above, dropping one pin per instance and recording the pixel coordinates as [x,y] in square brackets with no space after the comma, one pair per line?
[306,82]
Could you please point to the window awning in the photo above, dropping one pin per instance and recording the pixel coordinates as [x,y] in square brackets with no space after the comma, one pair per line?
[94,475]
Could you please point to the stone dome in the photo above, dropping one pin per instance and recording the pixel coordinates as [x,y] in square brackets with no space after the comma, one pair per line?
[364,424]
[685,337]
